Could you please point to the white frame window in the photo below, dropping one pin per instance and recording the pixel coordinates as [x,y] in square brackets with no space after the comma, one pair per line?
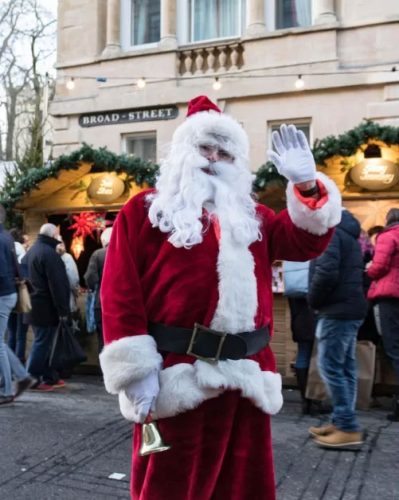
[271,10]
[141,152]
[304,124]
[127,27]
[186,21]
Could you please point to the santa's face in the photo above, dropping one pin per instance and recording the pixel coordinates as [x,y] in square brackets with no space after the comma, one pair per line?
[214,153]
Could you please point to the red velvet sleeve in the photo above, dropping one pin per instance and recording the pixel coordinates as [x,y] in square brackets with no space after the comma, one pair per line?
[123,310]
[289,242]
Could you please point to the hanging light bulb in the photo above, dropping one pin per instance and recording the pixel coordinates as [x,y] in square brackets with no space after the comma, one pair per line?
[70,84]
[217,84]
[141,83]
[299,84]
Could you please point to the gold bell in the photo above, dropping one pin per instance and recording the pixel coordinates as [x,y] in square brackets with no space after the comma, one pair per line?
[151,439]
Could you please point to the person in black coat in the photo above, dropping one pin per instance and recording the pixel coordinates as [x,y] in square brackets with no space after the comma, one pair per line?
[337,296]
[93,277]
[50,303]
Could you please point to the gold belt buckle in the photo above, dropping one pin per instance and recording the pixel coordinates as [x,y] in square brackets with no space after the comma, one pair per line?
[197,328]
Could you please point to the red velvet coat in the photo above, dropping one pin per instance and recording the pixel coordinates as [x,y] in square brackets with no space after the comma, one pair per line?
[214,416]
[147,279]
[384,270]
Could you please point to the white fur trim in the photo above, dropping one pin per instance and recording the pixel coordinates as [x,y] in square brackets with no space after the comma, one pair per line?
[128,359]
[199,126]
[238,299]
[316,221]
[184,387]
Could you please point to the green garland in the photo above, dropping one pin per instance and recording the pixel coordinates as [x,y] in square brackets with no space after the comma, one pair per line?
[348,143]
[141,172]
[344,145]
[267,175]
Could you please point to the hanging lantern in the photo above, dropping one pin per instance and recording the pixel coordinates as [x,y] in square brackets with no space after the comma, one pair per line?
[77,246]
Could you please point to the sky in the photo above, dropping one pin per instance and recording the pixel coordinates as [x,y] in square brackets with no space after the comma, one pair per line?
[50,5]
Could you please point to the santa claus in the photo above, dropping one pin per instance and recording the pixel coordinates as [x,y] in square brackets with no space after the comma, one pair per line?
[187,306]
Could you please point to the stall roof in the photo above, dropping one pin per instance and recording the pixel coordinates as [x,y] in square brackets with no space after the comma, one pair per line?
[67,169]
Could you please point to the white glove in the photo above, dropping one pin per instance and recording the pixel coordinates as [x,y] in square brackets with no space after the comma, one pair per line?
[293,158]
[142,394]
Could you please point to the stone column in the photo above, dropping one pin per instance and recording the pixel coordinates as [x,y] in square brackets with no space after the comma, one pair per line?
[323,11]
[255,18]
[168,24]
[113,35]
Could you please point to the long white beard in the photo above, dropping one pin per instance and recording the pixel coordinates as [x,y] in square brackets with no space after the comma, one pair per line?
[183,192]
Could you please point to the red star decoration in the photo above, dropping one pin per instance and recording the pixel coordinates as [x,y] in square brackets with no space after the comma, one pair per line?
[85,224]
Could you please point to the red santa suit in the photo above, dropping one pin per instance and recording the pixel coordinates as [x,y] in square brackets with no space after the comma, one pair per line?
[215,416]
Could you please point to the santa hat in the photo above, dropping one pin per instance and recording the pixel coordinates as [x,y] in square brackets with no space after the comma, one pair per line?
[204,120]
[201,103]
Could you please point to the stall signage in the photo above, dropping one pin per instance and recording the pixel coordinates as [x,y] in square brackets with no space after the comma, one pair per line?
[375,174]
[128,116]
[106,188]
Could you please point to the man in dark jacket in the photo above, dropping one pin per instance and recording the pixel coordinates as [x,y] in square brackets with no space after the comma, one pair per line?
[93,278]
[336,294]
[50,303]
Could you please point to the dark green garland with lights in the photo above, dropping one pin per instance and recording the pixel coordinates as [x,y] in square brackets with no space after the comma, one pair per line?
[349,142]
[145,173]
[137,170]
[345,144]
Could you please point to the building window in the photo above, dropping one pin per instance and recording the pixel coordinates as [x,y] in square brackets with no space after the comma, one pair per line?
[143,146]
[293,13]
[213,19]
[303,125]
[145,21]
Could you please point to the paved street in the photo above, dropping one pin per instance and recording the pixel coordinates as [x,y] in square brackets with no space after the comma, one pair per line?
[65,445]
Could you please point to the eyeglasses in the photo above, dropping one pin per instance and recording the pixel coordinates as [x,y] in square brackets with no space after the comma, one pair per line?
[214,153]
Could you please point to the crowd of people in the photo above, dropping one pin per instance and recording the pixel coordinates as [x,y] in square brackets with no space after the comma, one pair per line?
[348,293]
[53,281]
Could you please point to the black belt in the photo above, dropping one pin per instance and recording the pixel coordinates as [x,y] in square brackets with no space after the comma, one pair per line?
[206,344]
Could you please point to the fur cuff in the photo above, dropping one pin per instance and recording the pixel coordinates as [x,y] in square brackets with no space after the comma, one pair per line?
[128,359]
[318,220]
[185,386]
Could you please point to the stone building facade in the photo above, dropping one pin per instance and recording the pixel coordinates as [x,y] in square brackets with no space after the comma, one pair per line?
[344,54]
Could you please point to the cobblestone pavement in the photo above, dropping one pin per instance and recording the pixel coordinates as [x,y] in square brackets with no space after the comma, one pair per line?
[66,444]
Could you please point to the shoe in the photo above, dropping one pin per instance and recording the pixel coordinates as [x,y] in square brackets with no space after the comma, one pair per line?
[341,440]
[42,387]
[323,430]
[59,384]
[24,385]
[4,400]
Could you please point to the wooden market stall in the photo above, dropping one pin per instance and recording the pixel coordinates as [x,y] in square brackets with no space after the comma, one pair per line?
[80,193]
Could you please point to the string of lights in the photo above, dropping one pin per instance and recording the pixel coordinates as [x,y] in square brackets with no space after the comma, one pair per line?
[299,82]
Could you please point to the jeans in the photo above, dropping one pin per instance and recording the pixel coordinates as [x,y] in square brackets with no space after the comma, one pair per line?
[336,361]
[304,354]
[38,362]
[17,335]
[10,366]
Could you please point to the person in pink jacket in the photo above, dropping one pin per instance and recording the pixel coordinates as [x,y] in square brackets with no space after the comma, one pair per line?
[384,292]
